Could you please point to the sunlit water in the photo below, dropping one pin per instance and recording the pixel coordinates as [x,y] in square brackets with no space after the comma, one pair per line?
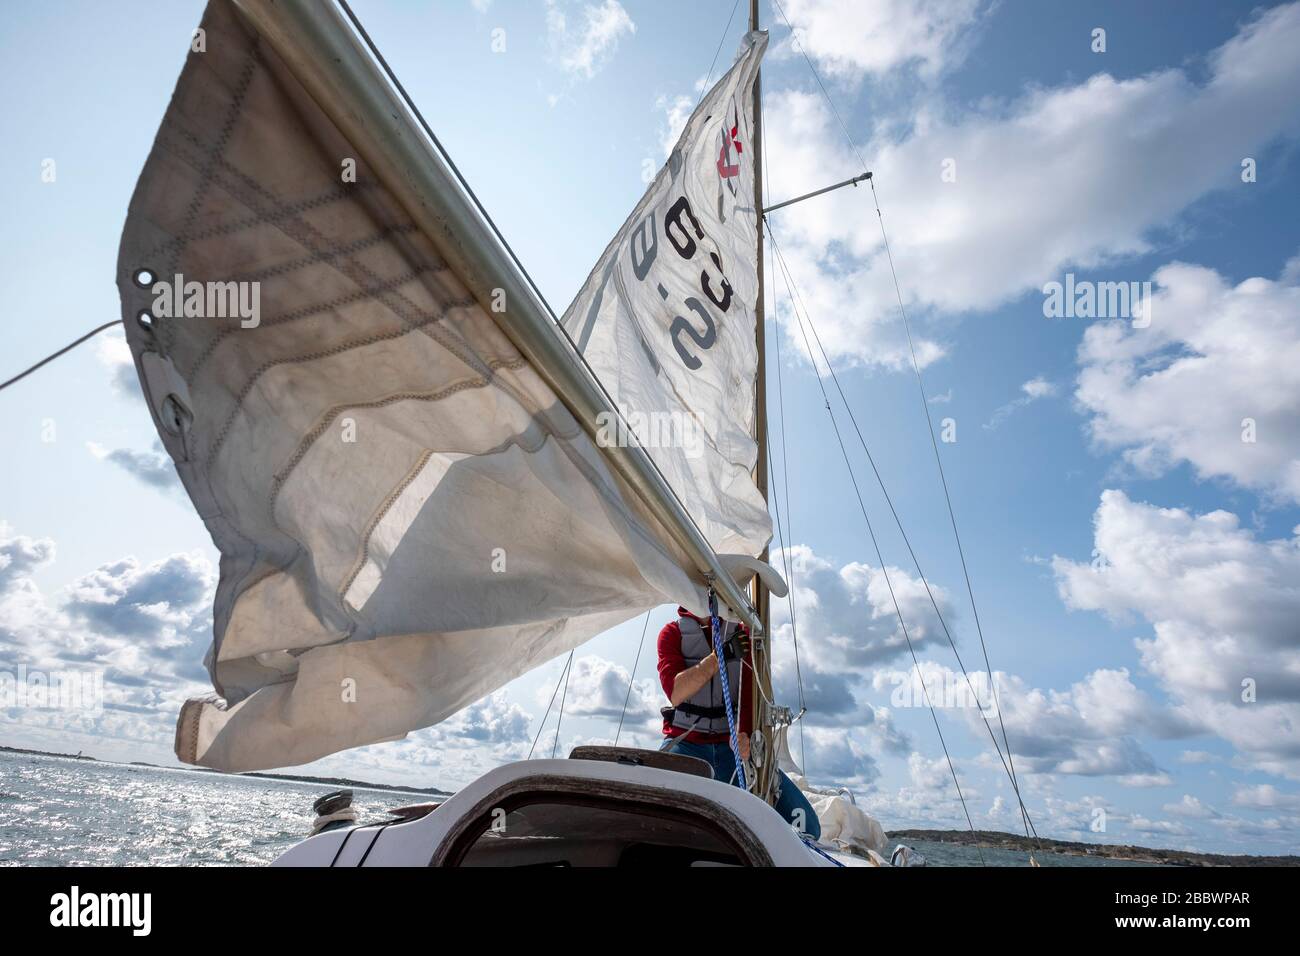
[59,811]
[66,812]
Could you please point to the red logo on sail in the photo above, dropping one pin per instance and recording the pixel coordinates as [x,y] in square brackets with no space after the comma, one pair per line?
[726,168]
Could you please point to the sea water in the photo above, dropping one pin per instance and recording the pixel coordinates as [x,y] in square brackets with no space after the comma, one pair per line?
[61,811]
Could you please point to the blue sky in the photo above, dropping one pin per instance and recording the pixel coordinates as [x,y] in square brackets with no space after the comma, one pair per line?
[1132,557]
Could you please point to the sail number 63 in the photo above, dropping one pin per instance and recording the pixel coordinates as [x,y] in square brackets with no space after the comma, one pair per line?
[683,230]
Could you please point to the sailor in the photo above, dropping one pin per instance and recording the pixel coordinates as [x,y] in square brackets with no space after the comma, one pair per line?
[696,722]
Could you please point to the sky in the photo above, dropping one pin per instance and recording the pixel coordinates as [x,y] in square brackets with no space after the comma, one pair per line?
[1127,489]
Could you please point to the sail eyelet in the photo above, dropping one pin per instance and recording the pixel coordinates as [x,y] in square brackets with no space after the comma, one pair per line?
[144,319]
[143,277]
[175,416]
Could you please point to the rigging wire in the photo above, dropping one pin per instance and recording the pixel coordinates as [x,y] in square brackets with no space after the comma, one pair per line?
[631,681]
[542,726]
[1010,761]
[794,36]
[952,517]
[560,719]
[789,518]
[934,604]
[786,538]
[721,40]
[787,564]
[1028,823]
[791,294]
[53,355]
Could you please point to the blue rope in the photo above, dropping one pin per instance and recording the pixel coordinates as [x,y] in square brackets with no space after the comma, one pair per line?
[811,844]
[715,625]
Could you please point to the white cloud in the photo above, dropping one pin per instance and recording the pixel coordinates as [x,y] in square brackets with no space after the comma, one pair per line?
[846,616]
[141,626]
[836,758]
[19,556]
[1223,607]
[153,467]
[929,774]
[1038,387]
[493,721]
[114,354]
[144,627]
[848,630]
[1032,390]
[584,50]
[598,688]
[488,733]
[1094,168]
[850,39]
[1087,730]
[1280,830]
[1265,796]
[846,301]
[677,110]
[1181,390]
[1190,807]
[1160,827]
[828,694]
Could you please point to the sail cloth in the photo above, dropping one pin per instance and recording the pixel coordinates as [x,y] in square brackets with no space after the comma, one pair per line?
[408,516]
[667,318]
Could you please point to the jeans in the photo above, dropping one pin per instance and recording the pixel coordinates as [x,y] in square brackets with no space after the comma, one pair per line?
[791,804]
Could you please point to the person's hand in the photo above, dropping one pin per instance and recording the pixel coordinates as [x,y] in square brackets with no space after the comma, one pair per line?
[709,665]
[737,648]
[742,741]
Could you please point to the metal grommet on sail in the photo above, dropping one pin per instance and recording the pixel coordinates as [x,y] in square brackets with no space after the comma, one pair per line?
[168,393]
[176,417]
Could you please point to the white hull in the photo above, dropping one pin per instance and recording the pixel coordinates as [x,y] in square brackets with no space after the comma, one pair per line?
[579,812]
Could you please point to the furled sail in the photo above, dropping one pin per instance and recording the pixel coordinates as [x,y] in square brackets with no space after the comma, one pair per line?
[666,319]
[408,515]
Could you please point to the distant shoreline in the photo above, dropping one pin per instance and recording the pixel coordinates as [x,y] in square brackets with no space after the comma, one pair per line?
[292,778]
[995,839]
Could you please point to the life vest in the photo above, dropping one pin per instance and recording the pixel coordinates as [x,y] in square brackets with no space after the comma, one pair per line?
[705,710]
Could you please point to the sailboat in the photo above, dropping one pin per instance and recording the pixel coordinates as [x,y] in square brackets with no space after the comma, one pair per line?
[422,482]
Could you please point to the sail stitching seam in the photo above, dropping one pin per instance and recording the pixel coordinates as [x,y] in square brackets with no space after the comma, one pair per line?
[340,349]
[255,197]
[213,156]
[307,312]
[333,195]
[304,446]
[377,517]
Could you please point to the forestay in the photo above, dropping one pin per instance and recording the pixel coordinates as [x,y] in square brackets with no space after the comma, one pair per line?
[666,319]
[408,516]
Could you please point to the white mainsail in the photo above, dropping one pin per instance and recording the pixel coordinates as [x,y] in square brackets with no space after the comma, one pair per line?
[408,515]
[666,319]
